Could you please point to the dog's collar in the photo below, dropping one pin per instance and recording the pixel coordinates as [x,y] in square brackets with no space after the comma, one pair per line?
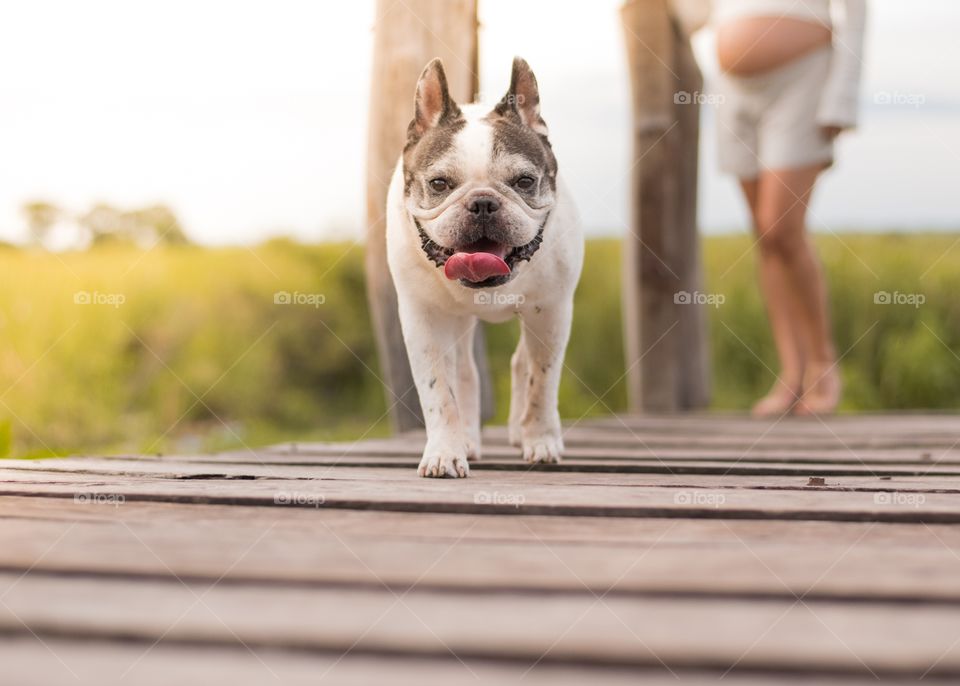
[438,254]
[435,252]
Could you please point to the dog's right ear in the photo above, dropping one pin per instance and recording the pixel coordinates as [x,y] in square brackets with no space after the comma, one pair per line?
[432,104]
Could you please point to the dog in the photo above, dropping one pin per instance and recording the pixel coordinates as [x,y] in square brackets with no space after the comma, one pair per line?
[480,226]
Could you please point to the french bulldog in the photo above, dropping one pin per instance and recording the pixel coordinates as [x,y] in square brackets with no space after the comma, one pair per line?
[480,226]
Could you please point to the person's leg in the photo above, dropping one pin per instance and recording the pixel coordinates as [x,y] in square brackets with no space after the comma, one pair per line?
[781,311]
[794,287]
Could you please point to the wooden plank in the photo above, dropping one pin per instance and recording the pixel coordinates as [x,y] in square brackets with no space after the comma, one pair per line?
[880,423]
[27,662]
[507,493]
[698,474]
[650,441]
[749,442]
[621,450]
[365,524]
[720,634]
[699,427]
[642,464]
[619,473]
[605,435]
[747,560]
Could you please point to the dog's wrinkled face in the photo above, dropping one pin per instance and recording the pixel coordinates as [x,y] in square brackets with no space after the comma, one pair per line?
[479,183]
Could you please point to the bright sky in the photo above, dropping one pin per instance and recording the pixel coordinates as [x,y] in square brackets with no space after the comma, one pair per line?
[248,118]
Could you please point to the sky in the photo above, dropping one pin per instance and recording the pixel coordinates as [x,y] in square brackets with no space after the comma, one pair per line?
[249,118]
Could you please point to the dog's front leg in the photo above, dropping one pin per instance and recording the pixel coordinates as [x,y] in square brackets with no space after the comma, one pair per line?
[545,335]
[432,339]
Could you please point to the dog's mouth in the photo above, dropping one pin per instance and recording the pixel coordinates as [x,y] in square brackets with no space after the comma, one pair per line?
[481,264]
[477,262]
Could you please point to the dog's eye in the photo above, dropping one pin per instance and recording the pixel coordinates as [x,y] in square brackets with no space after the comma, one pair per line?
[525,183]
[439,185]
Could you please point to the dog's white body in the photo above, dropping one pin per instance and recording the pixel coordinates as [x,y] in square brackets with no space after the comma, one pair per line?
[438,317]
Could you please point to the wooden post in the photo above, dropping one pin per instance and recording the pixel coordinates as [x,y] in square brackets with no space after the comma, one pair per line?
[407,35]
[665,339]
[693,347]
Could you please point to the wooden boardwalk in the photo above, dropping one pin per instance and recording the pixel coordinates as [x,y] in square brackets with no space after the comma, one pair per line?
[804,551]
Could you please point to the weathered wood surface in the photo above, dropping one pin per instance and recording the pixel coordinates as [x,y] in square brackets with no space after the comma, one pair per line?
[167,664]
[815,551]
[683,557]
[568,628]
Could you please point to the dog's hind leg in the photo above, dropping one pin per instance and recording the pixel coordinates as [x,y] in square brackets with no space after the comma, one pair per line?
[519,375]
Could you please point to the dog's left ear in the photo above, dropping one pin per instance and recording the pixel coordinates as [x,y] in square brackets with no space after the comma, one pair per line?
[523,97]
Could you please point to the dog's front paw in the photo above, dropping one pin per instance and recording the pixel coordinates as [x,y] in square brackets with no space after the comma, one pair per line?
[442,459]
[545,448]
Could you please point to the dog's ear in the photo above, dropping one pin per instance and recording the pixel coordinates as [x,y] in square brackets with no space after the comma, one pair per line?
[432,103]
[523,97]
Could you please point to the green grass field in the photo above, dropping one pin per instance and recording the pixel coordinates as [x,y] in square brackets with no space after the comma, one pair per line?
[184,348]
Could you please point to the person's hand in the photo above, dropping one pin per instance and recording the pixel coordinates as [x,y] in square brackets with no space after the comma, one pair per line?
[831,131]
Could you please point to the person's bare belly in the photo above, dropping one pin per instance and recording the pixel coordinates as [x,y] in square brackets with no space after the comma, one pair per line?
[752,45]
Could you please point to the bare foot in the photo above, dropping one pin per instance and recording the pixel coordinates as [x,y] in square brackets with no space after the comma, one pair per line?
[821,390]
[779,401]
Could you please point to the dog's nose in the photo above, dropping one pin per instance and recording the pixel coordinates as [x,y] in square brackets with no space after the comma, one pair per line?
[483,207]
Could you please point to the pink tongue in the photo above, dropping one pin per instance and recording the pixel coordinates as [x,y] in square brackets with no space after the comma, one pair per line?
[475,267]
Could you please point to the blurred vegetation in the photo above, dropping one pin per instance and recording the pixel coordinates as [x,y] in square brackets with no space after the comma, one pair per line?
[41,217]
[183,348]
[143,227]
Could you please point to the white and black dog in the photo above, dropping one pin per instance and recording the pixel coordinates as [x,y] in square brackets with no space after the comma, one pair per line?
[479,225]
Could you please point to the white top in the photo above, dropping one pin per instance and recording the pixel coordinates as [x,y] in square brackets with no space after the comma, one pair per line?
[811,10]
[845,18]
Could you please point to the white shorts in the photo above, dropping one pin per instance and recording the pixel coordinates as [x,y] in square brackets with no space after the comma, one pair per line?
[769,121]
